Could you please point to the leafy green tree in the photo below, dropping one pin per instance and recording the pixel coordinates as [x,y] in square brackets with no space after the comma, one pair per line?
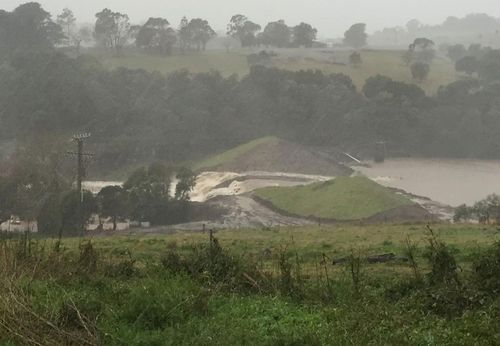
[467,64]
[421,50]
[420,71]
[28,28]
[149,191]
[356,36]
[489,66]
[112,30]
[277,34]
[457,52]
[243,29]
[50,216]
[156,36]
[200,32]
[462,213]
[76,209]
[304,35]
[67,21]
[84,34]
[112,202]
[186,183]
[184,35]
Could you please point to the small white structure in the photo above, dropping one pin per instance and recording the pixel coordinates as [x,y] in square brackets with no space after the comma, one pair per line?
[16,225]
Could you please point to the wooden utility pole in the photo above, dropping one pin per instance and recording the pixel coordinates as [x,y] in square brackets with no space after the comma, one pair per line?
[80,156]
[80,170]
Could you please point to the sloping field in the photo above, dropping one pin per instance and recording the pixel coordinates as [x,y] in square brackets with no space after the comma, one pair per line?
[384,62]
[271,154]
[340,199]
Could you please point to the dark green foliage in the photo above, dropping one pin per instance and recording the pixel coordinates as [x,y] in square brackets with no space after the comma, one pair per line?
[420,71]
[356,36]
[76,210]
[304,35]
[243,29]
[468,64]
[210,264]
[112,30]
[27,28]
[156,36]
[276,34]
[186,183]
[457,52]
[462,213]
[50,217]
[113,201]
[487,270]
[148,190]
[444,268]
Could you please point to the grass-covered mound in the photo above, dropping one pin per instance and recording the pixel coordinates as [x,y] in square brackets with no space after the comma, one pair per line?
[345,198]
[271,154]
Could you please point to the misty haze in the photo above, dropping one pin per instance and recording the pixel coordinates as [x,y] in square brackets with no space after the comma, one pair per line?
[260,173]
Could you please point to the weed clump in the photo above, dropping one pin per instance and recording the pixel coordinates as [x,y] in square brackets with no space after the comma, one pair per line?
[486,271]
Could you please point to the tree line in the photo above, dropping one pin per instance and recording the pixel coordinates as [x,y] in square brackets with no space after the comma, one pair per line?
[34,188]
[113,31]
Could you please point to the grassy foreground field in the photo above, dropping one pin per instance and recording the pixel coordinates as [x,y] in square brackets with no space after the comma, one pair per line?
[267,287]
[345,198]
[387,63]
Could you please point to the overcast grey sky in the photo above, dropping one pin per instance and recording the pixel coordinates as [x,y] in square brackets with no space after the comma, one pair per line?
[330,17]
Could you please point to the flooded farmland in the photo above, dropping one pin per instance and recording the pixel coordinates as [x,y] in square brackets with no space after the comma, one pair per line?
[451,182]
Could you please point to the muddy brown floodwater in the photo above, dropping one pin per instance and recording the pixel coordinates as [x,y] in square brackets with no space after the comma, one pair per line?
[451,182]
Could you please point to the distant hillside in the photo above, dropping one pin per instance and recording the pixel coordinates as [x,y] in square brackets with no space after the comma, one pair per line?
[271,154]
[384,62]
[343,199]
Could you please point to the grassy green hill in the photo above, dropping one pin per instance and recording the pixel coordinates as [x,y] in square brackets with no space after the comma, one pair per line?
[345,198]
[385,62]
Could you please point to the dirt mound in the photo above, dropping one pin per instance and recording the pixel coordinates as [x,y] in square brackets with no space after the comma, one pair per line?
[284,156]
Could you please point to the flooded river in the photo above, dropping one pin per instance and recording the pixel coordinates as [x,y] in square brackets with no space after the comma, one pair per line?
[451,182]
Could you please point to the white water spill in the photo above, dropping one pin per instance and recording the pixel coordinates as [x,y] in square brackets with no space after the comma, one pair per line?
[452,182]
[207,182]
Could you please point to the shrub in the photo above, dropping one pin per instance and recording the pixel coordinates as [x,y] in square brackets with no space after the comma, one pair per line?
[486,269]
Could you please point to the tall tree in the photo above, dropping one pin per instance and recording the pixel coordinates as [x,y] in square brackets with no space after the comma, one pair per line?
[186,183]
[112,202]
[420,71]
[356,36]
[84,34]
[304,35]
[277,34]
[67,21]
[112,30]
[243,29]
[156,36]
[421,50]
[184,35]
[200,32]
[28,27]
[149,191]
